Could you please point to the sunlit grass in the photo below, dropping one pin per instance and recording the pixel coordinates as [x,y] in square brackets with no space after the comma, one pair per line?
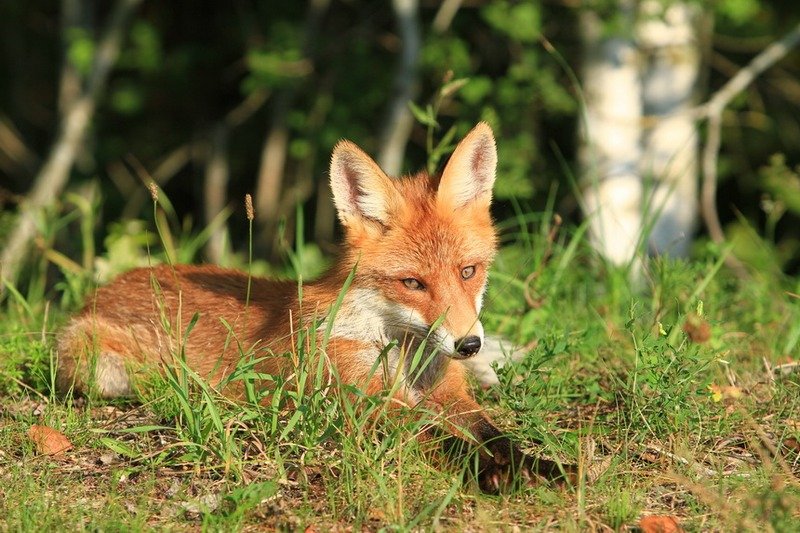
[664,392]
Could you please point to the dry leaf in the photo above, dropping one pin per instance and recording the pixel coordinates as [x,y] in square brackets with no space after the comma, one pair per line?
[659,524]
[48,440]
[725,392]
[792,444]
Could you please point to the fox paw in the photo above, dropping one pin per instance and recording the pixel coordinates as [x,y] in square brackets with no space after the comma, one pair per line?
[502,473]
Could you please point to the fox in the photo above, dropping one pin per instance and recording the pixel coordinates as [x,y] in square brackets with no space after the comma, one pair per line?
[416,252]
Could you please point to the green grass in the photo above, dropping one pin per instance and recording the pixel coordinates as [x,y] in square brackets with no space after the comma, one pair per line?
[662,391]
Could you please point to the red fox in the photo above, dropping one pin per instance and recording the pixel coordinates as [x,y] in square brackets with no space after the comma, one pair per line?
[418,248]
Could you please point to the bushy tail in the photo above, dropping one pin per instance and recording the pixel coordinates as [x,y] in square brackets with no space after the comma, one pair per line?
[89,359]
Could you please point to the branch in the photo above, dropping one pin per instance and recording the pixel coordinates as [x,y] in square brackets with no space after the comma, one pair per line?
[771,55]
[713,110]
[73,16]
[443,18]
[54,173]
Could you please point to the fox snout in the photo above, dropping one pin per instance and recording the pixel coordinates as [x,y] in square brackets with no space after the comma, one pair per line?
[461,334]
[467,347]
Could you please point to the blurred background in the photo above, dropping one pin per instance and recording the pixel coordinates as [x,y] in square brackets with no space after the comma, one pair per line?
[213,100]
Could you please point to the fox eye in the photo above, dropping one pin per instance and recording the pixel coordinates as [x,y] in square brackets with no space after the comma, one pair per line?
[413,284]
[467,272]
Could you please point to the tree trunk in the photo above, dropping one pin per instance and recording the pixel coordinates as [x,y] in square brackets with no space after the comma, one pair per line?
[215,185]
[640,156]
[269,185]
[399,121]
[611,141]
[668,38]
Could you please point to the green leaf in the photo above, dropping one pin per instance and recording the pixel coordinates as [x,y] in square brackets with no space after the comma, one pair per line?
[476,90]
[119,447]
[424,117]
[522,22]
[249,496]
[80,49]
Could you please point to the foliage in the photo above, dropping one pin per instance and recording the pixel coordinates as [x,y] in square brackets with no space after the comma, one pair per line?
[329,75]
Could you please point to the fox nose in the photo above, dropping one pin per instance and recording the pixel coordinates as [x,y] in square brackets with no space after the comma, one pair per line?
[468,346]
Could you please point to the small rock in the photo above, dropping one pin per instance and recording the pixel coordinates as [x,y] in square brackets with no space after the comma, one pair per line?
[106,458]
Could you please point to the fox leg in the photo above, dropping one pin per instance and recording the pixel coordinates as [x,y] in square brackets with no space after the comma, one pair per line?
[500,464]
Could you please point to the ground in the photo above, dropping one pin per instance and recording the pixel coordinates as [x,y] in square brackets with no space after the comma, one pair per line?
[676,393]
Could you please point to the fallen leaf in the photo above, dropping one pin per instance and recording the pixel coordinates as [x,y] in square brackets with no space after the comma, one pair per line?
[106,459]
[659,524]
[48,440]
[725,392]
[792,444]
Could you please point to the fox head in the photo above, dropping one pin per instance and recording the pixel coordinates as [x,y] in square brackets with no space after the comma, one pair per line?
[422,244]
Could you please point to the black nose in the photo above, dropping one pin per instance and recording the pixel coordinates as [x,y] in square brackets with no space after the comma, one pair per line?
[468,346]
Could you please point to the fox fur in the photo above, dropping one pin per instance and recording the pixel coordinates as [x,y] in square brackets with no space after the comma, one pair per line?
[419,248]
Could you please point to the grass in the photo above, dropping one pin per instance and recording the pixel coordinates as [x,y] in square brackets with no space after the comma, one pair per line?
[667,393]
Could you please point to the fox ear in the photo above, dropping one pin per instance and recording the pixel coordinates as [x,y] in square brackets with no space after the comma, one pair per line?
[360,188]
[470,172]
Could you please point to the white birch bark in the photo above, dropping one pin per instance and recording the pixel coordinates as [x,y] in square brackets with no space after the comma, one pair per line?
[399,121]
[667,36]
[611,141]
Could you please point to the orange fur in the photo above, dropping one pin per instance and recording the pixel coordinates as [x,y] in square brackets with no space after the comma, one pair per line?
[435,231]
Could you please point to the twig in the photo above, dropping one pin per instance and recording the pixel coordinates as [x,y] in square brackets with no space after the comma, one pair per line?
[694,465]
[54,173]
[713,111]
[444,16]
[770,446]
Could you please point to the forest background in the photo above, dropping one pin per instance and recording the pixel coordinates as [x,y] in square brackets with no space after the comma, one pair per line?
[261,92]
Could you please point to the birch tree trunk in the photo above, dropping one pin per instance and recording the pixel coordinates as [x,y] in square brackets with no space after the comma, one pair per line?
[399,120]
[611,141]
[668,38]
[640,152]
